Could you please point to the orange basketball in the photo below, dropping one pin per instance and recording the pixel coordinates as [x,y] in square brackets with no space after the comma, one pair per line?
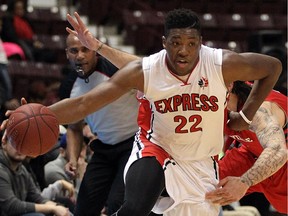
[32,129]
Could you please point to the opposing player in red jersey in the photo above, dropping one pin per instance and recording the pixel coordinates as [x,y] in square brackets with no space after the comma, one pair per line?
[255,154]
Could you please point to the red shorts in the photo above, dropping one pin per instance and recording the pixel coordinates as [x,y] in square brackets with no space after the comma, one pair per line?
[144,148]
[149,149]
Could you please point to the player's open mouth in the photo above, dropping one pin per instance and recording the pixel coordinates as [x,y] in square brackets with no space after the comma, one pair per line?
[182,63]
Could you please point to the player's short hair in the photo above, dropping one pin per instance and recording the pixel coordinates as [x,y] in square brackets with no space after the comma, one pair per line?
[181,18]
[242,90]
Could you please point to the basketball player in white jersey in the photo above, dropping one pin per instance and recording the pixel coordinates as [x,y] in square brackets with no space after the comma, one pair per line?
[181,117]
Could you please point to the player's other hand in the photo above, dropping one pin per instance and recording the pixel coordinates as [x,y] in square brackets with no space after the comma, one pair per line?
[230,189]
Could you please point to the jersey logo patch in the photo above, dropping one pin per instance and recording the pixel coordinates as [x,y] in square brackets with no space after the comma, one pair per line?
[203,82]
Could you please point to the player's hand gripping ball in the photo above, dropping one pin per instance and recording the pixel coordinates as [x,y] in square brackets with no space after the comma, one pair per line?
[32,129]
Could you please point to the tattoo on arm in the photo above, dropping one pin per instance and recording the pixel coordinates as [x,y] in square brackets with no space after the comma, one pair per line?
[272,139]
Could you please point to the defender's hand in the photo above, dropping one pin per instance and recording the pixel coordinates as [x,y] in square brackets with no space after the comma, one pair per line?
[230,189]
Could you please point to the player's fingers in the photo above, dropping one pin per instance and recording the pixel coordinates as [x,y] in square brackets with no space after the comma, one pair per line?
[8,113]
[80,22]
[4,124]
[23,101]
[216,199]
[72,22]
[71,31]
[4,137]
[223,182]
[226,196]
[86,31]
[217,195]
[224,202]
[212,194]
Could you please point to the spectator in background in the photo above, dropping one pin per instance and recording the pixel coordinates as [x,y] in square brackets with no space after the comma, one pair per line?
[7,51]
[43,91]
[52,93]
[17,29]
[36,165]
[12,50]
[37,91]
[19,194]
[6,95]
[61,191]
[54,170]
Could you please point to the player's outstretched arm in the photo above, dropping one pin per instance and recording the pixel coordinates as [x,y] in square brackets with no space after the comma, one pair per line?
[263,69]
[117,57]
[128,78]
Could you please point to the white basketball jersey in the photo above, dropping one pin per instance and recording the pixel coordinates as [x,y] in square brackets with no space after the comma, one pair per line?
[187,118]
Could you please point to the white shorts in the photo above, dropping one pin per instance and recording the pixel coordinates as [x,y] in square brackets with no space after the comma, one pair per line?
[186,183]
